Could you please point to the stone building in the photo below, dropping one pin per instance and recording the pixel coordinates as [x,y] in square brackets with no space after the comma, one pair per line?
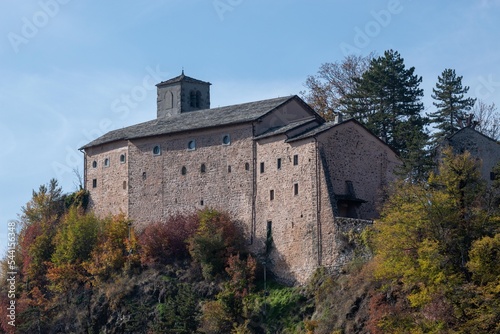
[275,165]
[480,146]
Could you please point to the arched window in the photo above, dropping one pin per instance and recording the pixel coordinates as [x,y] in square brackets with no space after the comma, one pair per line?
[183,170]
[203,168]
[106,162]
[192,99]
[169,100]
[198,99]
[191,145]
[226,140]
[247,166]
[195,99]
[123,158]
[157,150]
[94,164]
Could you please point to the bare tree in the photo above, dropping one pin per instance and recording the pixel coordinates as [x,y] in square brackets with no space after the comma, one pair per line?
[486,119]
[332,83]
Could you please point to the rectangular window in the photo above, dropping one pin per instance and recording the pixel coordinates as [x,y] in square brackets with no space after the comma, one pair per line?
[278,163]
[94,183]
[269,230]
[493,176]
[262,167]
[295,159]
[271,195]
[296,189]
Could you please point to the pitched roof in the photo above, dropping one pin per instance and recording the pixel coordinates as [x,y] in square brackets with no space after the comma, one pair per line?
[207,118]
[180,78]
[467,128]
[313,131]
[285,128]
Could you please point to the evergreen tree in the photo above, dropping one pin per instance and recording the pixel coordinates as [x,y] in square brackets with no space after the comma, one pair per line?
[451,103]
[386,100]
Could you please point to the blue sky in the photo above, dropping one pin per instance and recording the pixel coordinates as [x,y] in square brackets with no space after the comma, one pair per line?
[71,70]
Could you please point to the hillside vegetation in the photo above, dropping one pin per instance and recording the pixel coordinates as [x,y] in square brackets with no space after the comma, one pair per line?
[435,269]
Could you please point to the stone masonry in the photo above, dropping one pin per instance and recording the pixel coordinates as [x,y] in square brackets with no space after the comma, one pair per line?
[276,166]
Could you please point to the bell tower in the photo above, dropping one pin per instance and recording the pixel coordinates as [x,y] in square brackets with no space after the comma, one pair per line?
[182,94]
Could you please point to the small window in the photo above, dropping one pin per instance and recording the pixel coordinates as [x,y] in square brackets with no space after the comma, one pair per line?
[296,189]
[295,159]
[123,158]
[493,176]
[143,175]
[247,166]
[191,145]
[124,185]
[106,162]
[94,183]
[226,140]
[278,163]
[229,169]
[201,202]
[269,230]
[262,167]
[183,170]
[94,164]
[203,168]
[192,98]
[157,150]
[271,194]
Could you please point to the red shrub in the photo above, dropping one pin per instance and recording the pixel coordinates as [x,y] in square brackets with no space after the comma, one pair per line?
[165,242]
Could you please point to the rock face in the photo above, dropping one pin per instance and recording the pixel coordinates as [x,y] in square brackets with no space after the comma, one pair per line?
[276,166]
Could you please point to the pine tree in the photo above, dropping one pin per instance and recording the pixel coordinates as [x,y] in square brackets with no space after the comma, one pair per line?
[387,100]
[451,103]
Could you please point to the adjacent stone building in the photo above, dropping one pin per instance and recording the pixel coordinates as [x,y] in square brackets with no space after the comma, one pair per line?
[275,165]
[480,146]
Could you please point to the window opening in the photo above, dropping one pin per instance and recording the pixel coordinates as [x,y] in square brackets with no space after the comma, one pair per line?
[156,150]
[229,169]
[124,185]
[279,163]
[183,170]
[94,183]
[247,166]
[296,189]
[106,162]
[295,159]
[191,145]
[226,140]
[123,158]
[203,168]
[262,167]
[271,194]
[94,164]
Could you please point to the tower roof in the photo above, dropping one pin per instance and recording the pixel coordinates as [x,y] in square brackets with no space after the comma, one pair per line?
[181,78]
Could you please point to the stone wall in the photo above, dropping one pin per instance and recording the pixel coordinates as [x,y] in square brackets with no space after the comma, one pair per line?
[160,188]
[293,253]
[108,185]
[350,153]
[479,146]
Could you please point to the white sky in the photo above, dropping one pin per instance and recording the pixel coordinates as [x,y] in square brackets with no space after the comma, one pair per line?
[67,66]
